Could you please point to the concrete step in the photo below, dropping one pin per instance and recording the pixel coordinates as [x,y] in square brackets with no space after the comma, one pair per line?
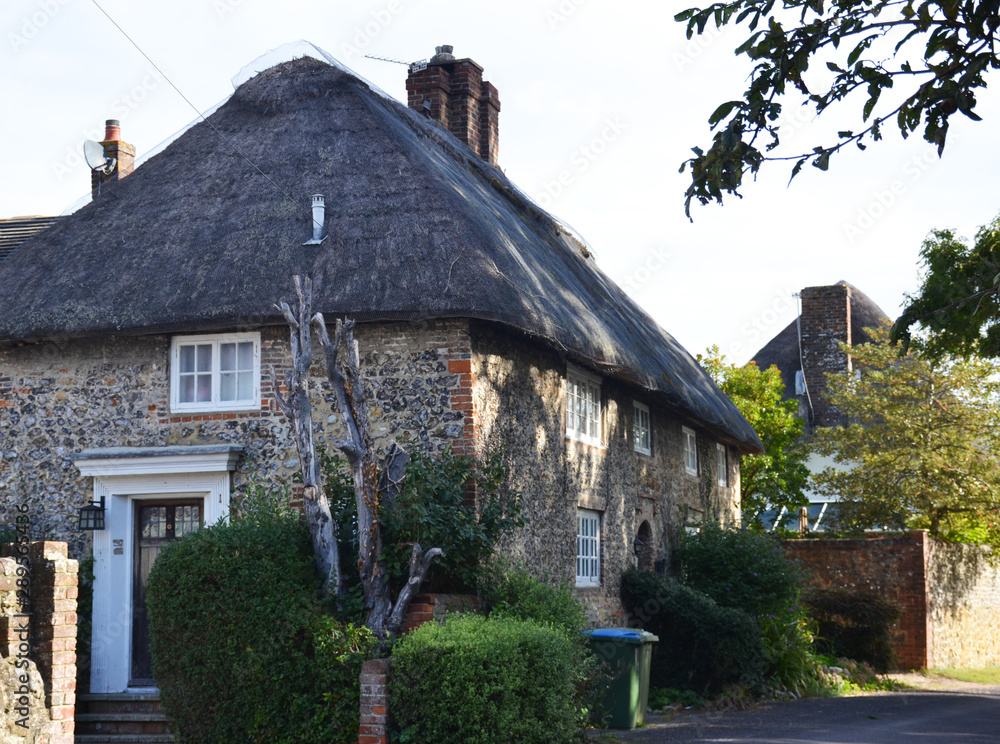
[123,718]
[120,717]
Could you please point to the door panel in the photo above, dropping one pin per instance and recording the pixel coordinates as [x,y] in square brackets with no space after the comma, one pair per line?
[157,523]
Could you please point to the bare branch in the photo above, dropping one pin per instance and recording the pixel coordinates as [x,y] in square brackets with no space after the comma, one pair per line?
[297,406]
[420,564]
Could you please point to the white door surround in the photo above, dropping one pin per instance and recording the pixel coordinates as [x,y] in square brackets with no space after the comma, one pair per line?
[122,476]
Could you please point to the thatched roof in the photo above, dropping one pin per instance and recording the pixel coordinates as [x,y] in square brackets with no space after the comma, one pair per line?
[197,238]
[783,349]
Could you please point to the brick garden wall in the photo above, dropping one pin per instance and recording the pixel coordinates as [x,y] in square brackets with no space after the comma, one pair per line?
[38,586]
[949,594]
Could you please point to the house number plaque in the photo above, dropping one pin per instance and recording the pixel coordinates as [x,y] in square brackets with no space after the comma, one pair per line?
[119,547]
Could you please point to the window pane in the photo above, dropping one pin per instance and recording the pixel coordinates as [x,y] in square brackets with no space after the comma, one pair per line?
[187,359]
[186,519]
[204,388]
[244,387]
[227,357]
[227,386]
[245,356]
[154,521]
[187,389]
[204,357]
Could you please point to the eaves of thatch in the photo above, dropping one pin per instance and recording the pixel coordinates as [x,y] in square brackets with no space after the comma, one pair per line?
[208,233]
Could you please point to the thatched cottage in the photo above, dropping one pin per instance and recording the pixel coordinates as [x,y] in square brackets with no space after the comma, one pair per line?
[135,332]
[805,352]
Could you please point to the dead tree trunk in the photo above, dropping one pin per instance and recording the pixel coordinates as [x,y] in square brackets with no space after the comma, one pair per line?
[298,408]
[384,617]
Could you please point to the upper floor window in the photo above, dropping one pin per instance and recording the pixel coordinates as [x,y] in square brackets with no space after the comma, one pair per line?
[215,373]
[721,465]
[583,406]
[642,439]
[690,451]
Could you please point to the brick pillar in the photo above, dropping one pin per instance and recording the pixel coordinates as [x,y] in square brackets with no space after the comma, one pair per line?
[374,702]
[825,322]
[54,590]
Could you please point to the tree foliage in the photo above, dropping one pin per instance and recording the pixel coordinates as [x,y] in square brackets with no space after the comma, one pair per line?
[957,303]
[776,477]
[922,450]
[938,51]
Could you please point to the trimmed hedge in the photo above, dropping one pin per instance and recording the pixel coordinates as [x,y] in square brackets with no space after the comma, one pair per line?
[703,646]
[476,680]
[854,625]
[241,649]
[512,592]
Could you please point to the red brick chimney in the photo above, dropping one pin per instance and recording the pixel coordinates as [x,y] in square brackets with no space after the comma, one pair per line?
[453,93]
[114,147]
[825,321]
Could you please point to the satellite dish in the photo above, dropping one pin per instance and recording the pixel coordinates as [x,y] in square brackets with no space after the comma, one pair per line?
[97,158]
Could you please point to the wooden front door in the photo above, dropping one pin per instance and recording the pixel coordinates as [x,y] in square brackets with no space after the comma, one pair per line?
[156,524]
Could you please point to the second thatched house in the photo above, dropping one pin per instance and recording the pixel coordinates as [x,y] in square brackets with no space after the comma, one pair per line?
[136,330]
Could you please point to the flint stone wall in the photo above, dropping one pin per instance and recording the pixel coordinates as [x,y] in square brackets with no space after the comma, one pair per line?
[57,399]
[520,406]
[469,386]
[963,603]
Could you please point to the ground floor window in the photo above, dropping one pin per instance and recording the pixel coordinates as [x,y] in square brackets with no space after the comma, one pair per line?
[588,548]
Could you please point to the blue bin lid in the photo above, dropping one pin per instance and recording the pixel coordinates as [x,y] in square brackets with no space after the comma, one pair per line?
[622,635]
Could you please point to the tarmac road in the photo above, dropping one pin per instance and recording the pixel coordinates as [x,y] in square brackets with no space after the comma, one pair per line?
[922,717]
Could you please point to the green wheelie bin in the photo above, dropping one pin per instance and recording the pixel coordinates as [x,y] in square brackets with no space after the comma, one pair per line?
[627,652]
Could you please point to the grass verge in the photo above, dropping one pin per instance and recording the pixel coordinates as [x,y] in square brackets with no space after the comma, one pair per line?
[987,676]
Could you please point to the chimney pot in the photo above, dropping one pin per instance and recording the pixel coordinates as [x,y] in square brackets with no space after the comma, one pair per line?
[318,220]
[443,54]
[112,130]
[121,151]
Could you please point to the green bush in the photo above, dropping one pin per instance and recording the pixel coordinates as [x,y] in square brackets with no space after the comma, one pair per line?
[703,647]
[476,680]
[749,571]
[854,625]
[241,649]
[739,568]
[511,592]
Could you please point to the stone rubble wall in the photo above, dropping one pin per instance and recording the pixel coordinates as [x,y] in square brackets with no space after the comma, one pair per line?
[963,606]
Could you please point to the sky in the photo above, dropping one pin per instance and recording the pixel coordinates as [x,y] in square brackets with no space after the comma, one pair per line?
[601,101]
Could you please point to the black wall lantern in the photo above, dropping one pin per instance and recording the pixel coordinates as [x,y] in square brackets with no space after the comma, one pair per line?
[92,516]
